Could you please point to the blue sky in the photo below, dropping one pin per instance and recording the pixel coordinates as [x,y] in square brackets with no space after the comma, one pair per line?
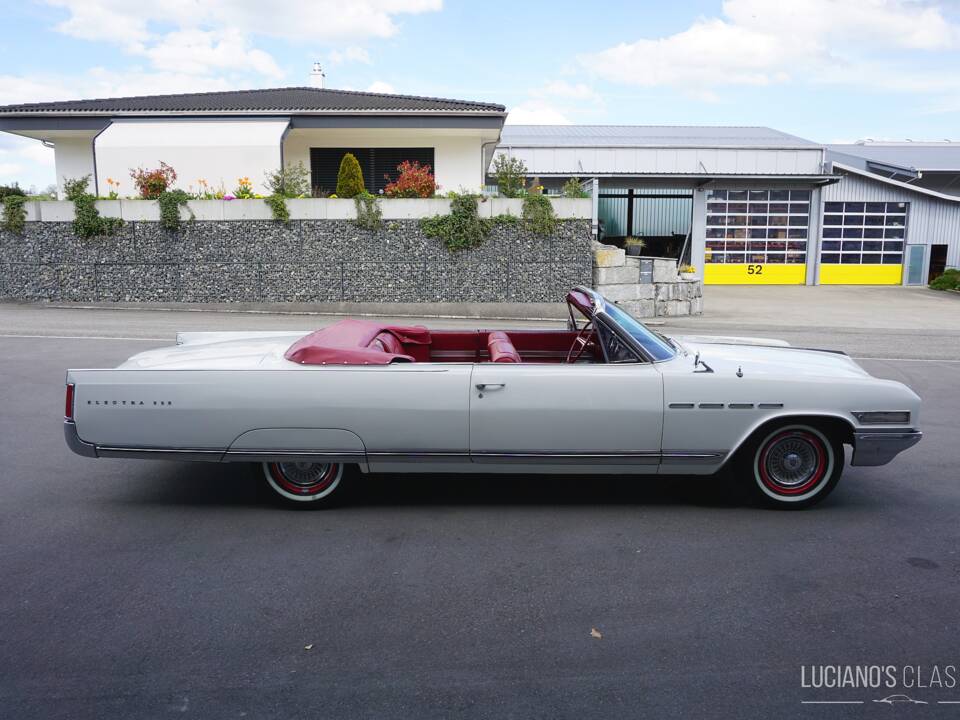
[827,70]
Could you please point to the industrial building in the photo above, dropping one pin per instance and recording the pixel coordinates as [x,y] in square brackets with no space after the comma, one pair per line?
[753,205]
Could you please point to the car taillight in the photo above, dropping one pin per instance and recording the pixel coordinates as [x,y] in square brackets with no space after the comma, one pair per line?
[68,411]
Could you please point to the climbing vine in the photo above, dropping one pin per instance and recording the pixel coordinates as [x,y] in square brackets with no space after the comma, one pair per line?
[538,214]
[87,220]
[369,212]
[14,213]
[462,228]
[278,206]
[170,202]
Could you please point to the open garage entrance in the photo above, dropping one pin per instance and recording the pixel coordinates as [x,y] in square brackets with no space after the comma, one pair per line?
[647,221]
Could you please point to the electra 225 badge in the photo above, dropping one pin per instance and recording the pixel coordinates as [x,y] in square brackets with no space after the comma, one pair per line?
[131,403]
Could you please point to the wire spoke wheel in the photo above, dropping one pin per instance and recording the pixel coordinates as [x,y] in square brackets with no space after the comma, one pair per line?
[795,465]
[303,482]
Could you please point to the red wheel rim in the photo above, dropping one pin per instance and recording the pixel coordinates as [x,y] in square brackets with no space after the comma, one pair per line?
[792,462]
[304,479]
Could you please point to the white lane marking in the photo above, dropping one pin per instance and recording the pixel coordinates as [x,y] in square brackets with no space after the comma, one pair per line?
[86,337]
[908,359]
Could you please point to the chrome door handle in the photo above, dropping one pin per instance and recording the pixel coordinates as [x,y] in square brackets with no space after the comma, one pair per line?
[490,386]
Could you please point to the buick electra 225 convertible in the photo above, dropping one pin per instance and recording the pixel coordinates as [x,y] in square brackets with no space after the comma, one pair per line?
[605,395]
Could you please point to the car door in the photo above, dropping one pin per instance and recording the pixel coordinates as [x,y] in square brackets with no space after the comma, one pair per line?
[567,414]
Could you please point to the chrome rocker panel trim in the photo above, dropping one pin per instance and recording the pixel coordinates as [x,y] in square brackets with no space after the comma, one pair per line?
[876,447]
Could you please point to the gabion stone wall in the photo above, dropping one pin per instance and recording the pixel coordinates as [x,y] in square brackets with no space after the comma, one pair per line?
[308,261]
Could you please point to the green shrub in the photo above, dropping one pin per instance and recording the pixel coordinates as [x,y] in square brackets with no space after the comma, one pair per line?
[573,189]
[350,177]
[950,280]
[511,176]
[292,182]
[14,213]
[538,214]
[463,228]
[369,213]
[87,221]
[8,190]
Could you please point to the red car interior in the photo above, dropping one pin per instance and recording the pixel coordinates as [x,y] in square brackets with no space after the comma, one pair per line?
[364,342]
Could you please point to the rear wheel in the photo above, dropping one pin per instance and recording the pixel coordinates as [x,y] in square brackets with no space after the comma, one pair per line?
[304,484]
[793,466]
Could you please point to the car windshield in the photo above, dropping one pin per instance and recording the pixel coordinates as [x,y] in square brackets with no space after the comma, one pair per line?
[656,346]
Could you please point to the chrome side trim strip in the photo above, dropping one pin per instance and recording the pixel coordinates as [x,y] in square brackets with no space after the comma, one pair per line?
[250,455]
[692,457]
[650,457]
[769,406]
[711,406]
[195,454]
[681,406]
[424,456]
[740,406]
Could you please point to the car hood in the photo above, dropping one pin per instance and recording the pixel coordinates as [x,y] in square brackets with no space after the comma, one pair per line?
[760,356]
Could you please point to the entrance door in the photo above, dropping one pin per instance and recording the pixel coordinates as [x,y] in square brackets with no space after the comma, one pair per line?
[559,414]
[915,264]
[938,261]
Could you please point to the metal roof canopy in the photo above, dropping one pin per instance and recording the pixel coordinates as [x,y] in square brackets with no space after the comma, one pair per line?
[671,136]
[922,157]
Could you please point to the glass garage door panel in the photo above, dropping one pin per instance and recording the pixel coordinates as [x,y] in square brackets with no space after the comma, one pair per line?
[756,236]
[863,242]
[915,264]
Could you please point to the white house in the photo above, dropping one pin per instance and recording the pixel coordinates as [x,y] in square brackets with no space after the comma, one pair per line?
[220,137]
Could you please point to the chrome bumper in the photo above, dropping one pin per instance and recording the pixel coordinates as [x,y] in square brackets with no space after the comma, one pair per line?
[878,447]
[75,443]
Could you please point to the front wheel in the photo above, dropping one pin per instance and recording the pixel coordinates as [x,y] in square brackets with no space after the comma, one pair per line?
[793,466]
[304,484]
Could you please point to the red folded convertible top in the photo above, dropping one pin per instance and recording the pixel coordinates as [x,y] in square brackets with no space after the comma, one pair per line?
[348,342]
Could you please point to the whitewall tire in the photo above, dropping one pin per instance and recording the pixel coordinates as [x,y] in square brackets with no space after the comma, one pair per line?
[794,466]
[304,483]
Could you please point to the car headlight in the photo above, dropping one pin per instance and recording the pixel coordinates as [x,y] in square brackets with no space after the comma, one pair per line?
[883,417]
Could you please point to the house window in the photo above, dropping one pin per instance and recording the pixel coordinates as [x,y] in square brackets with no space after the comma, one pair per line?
[379,165]
[757,226]
[863,233]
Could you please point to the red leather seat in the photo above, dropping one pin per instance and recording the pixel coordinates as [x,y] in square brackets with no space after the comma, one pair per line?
[501,349]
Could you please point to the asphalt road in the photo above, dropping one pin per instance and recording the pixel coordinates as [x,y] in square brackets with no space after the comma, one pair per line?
[132,589]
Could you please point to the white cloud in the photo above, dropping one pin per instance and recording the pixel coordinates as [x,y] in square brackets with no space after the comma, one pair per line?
[536,112]
[758,42]
[562,89]
[353,53]
[197,52]
[379,86]
[26,162]
[123,21]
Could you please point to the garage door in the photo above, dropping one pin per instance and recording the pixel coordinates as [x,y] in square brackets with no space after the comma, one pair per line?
[756,237]
[862,243]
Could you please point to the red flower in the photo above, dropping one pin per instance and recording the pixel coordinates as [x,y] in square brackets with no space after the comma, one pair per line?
[414,181]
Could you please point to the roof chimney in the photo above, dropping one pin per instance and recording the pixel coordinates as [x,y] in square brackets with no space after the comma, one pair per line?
[316,76]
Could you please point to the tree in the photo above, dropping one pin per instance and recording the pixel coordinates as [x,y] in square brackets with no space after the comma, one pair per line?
[350,177]
[511,175]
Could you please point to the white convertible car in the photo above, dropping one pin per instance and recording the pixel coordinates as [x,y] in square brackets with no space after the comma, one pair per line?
[606,395]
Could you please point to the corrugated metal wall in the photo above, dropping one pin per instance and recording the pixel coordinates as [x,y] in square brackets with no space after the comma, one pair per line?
[930,221]
[651,216]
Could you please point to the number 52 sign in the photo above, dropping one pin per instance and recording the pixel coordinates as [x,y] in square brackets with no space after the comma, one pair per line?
[754,269]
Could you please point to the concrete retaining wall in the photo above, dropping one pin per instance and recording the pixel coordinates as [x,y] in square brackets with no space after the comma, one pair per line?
[617,276]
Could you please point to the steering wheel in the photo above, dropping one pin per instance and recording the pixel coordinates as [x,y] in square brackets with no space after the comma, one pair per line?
[580,344]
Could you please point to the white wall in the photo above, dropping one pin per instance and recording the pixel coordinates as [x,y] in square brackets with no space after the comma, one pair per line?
[73,158]
[457,153]
[218,151]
